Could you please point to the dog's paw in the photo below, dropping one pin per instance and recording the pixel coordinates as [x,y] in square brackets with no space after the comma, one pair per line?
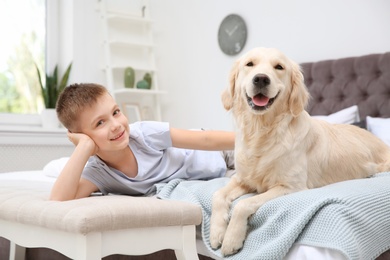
[217,234]
[218,226]
[234,237]
[231,245]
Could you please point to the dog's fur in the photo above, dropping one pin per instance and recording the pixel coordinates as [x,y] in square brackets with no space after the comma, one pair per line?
[279,148]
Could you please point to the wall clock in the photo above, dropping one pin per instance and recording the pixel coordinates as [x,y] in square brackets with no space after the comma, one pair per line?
[232,34]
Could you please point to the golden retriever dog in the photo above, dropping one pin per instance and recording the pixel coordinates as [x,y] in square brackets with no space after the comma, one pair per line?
[279,148]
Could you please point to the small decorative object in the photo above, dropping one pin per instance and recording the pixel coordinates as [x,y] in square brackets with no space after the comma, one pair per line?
[232,34]
[143,84]
[50,92]
[129,77]
[132,112]
[148,78]
[147,113]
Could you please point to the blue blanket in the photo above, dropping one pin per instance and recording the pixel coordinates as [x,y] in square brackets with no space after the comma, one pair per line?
[352,217]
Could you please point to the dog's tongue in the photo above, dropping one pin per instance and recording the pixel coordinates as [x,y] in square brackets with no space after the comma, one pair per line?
[260,100]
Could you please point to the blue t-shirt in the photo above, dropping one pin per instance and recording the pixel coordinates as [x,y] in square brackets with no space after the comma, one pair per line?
[157,162]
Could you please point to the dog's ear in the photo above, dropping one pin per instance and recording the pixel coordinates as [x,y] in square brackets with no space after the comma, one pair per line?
[228,93]
[299,95]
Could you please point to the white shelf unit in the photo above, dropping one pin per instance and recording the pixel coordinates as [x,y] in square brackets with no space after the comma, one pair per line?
[128,42]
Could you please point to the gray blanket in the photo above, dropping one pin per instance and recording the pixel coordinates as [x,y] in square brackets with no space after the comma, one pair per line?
[352,217]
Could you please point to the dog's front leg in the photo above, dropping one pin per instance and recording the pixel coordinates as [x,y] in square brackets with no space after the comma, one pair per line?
[222,200]
[237,229]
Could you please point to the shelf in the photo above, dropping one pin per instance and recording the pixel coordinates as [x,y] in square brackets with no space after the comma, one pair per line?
[138,91]
[31,129]
[137,68]
[122,17]
[126,44]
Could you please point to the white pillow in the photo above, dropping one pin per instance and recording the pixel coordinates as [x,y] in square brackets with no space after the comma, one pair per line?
[54,167]
[348,115]
[379,127]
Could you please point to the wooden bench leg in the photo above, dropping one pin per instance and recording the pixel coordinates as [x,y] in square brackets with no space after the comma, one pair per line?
[188,251]
[16,252]
[90,247]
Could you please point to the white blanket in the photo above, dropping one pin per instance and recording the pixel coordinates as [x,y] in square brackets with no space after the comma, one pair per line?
[351,217]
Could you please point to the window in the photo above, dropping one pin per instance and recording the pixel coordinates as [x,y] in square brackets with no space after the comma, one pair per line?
[23,27]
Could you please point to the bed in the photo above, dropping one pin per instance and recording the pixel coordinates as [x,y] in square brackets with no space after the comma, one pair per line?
[354,90]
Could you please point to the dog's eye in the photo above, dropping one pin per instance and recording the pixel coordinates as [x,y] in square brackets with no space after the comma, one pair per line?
[249,64]
[279,67]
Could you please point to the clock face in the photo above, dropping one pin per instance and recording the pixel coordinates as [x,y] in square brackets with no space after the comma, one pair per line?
[232,34]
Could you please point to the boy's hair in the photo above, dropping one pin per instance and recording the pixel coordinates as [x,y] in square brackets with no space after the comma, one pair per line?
[74,99]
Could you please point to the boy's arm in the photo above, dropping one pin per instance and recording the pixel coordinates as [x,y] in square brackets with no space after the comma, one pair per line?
[202,140]
[69,184]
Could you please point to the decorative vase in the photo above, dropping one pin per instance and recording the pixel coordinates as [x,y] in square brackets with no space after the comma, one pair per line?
[148,78]
[129,77]
[143,84]
[49,118]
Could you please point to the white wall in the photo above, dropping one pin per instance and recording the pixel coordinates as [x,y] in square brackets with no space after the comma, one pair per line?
[193,70]
[84,45]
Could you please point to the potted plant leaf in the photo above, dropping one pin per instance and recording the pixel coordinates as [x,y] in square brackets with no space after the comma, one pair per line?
[50,92]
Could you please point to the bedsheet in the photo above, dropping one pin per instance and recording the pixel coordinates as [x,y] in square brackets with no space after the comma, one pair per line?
[348,217]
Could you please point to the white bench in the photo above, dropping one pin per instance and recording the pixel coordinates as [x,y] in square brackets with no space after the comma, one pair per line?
[95,227]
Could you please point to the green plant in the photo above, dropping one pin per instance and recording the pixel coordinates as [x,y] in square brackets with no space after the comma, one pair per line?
[53,88]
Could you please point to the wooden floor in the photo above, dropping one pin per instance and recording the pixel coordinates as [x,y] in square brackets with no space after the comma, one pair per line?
[48,254]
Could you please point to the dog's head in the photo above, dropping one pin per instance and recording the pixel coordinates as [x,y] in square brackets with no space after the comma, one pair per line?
[265,80]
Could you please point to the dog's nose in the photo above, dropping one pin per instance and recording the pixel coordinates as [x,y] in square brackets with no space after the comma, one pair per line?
[261,80]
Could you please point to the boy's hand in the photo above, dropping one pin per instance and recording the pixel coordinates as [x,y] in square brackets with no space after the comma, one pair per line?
[83,139]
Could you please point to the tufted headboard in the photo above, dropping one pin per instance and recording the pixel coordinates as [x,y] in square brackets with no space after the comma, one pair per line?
[341,83]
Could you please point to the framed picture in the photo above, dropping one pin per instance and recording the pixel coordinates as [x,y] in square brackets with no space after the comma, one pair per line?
[132,112]
[147,113]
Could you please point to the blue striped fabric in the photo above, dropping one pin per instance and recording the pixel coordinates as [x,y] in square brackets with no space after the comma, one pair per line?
[352,217]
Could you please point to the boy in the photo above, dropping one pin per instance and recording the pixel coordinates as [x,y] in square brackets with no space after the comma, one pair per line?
[128,159]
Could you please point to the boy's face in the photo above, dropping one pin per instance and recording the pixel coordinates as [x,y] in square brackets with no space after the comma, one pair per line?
[105,124]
